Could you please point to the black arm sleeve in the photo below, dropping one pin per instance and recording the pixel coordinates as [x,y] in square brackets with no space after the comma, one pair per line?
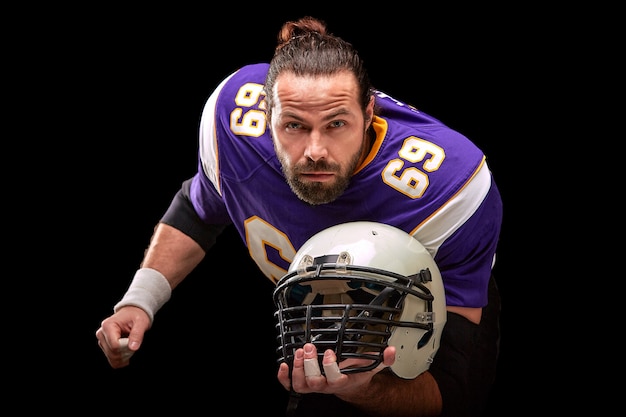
[182,216]
[465,364]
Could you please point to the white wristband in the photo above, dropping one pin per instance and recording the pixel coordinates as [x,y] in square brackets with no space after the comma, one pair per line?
[149,290]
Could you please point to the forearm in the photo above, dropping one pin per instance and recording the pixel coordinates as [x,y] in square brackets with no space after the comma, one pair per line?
[172,253]
[170,257]
[389,395]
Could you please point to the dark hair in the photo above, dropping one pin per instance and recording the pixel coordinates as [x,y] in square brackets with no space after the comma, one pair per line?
[305,47]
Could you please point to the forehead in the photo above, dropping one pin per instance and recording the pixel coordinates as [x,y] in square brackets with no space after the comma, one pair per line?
[316,90]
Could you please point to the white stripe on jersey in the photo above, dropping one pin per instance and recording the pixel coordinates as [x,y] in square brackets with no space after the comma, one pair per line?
[451,216]
[207,138]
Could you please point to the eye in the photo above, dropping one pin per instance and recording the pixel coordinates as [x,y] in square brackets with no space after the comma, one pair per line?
[337,123]
[293,125]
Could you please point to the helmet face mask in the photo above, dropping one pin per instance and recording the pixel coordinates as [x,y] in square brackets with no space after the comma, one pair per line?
[356,288]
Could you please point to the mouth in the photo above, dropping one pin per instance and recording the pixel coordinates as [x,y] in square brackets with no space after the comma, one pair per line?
[317,176]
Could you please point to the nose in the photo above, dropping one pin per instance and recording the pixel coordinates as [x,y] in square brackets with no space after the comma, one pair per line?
[315,147]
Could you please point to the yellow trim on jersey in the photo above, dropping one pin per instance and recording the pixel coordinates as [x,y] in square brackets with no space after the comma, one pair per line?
[380,127]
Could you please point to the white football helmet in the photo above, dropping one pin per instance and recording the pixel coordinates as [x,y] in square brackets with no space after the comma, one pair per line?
[356,288]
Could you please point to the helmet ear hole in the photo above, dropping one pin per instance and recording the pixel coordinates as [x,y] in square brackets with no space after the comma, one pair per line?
[424,340]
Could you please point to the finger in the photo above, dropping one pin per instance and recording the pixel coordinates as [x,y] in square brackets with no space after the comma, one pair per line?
[331,368]
[389,355]
[102,338]
[118,354]
[125,350]
[311,363]
[283,376]
[315,381]
[312,368]
[298,380]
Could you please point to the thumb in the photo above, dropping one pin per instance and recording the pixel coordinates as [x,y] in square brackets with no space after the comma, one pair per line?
[134,340]
[138,325]
[126,352]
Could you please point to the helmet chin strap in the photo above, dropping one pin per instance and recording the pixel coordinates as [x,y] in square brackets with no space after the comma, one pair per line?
[382,297]
[292,405]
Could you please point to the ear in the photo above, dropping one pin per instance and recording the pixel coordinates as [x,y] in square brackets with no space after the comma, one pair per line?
[369,112]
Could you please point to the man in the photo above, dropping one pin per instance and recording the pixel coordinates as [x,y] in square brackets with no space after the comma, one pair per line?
[291,148]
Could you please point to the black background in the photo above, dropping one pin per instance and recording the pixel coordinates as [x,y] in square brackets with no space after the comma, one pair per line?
[133,85]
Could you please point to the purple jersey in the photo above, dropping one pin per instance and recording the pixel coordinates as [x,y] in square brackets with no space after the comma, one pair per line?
[420,176]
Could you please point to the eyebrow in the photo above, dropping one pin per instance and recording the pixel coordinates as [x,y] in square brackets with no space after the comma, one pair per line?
[338,112]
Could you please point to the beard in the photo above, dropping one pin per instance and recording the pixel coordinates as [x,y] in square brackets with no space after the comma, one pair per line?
[313,192]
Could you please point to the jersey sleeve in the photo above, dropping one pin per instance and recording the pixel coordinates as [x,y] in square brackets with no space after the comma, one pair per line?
[182,215]
[233,115]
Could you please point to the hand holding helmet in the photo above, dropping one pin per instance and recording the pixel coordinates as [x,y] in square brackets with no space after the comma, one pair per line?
[357,289]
